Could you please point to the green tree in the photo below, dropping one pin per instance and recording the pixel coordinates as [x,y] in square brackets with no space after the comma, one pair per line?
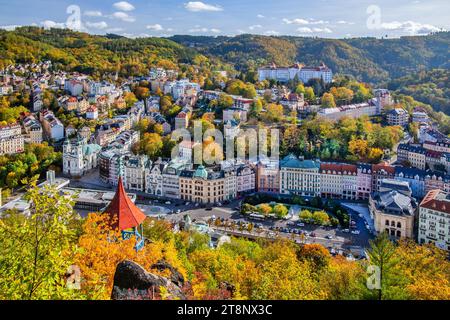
[280,211]
[382,255]
[37,250]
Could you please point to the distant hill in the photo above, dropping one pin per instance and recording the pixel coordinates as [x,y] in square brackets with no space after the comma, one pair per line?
[88,53]
[368,59]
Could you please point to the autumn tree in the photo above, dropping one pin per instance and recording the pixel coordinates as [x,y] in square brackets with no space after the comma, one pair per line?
[328,101]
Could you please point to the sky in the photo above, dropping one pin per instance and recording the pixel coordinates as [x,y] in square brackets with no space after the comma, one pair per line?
[163,18]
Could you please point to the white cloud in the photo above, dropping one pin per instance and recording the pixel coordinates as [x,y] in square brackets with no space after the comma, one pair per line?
[344,22]
[411,27]
[295,21]
[260,16]
[155,27]
[272,33]
[198,29]
[123,6]
[48,24]
[97,25]
[300,21]
[10,27]
[256,26]
[123,16]
[304,30]
[197,6]
[314,30]
[93,13]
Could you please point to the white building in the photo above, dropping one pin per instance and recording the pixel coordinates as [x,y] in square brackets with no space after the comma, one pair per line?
[302,73]
[79,157]
[134,168]
[397,117]
[299,176]
[53,128]
[11,139]
[74,86]
[434,219]
[33,129]
[154,178]
[339,181]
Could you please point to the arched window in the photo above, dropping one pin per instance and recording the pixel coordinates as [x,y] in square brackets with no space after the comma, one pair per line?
[399,225]
[399,234]
[387,223]
[392,223]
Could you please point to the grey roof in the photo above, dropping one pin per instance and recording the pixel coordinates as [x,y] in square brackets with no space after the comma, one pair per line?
[394,202]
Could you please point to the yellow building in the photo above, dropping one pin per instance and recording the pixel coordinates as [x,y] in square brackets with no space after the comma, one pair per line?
[208,187]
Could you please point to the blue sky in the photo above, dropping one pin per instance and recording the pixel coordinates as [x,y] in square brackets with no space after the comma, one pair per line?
[321,18]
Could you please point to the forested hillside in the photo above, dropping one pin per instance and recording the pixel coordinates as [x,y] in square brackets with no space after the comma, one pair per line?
[430,87]
[87,53]
[368,59]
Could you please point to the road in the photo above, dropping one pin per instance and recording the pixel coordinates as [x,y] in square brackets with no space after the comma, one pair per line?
[339,238]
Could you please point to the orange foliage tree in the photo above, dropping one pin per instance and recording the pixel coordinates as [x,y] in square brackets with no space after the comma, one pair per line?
[102,248]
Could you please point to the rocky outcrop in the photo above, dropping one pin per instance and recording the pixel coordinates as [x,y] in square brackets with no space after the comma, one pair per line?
[133,282]
[175,276]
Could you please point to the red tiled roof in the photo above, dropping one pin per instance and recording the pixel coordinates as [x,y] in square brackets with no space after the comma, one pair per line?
[383,166]
[430,202]
[123,212]
[338,167]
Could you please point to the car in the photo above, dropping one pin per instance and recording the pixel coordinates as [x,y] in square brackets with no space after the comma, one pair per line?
[346,231]
[187,203]
[168,202]
[237,209]
[213,217]
[329,236]
[208,209]
[356,232]
[300,224]
[178,211]
[312,234]
[197,204]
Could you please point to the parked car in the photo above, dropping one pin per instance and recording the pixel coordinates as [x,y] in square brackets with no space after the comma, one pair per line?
[346,231]
[356,232]
[329,236]
[168,202]
[208,209]
[300,224]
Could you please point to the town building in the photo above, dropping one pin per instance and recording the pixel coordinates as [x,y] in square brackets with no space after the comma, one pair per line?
[413,155]
[339,181]
[301,72]
[207,186]
[268,177]
[393,211]
[79,157]
[33,129]
[364,181]
[134,167]
[434,219]
[397,117]
[299,177]
[11,139]
[53,128]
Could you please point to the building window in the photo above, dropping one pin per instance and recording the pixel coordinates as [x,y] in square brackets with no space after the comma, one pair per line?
[399,225]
